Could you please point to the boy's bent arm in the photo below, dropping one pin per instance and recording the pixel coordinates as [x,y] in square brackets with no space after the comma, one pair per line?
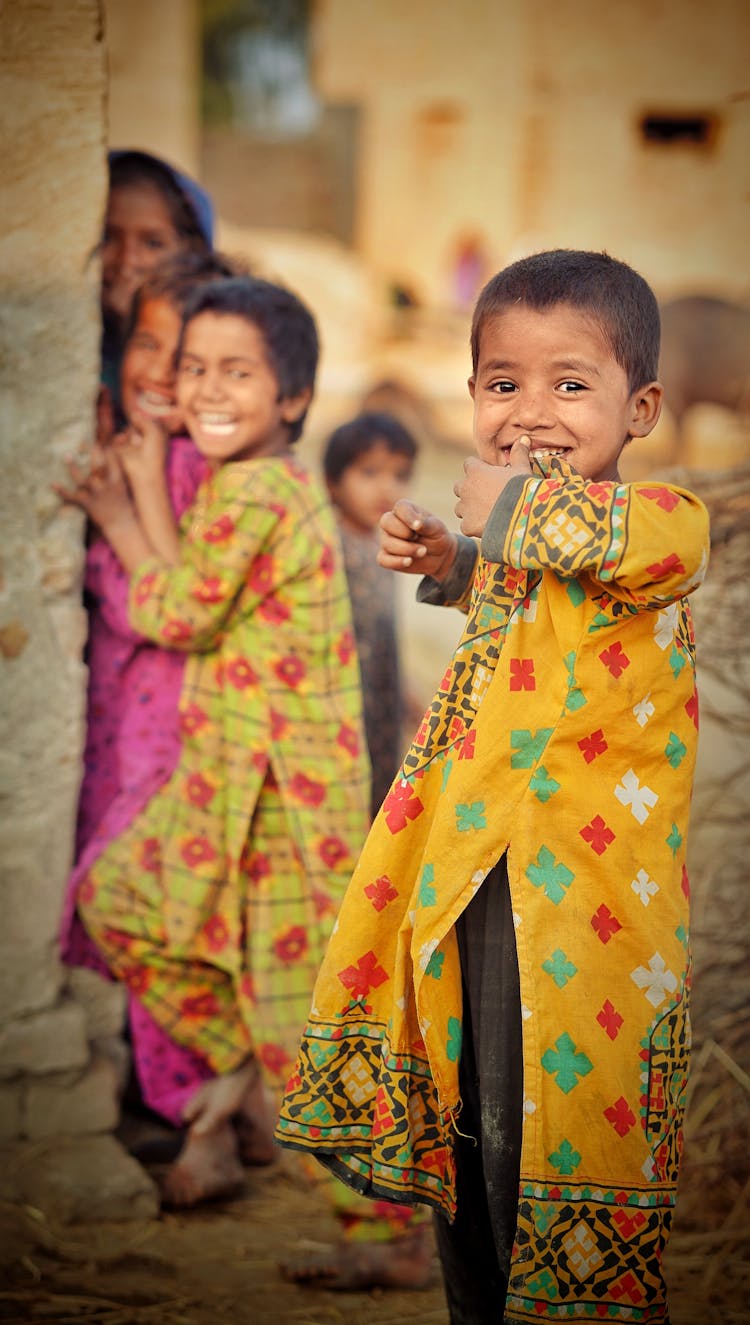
[454,590]
[647,543]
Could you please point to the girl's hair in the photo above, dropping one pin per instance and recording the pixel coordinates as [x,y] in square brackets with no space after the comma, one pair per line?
[189,206]
[176,278]
[615,296]
[355,438]
[287,327]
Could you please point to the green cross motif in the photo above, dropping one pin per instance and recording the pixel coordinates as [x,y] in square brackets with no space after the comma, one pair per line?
[681,935]
[542,785]
[552,876]
[674,841]
[319,1113]
[453,1045]
[565,1063]
[677,660]
[565,1159]
[675,751]
[321,1051]
[427,894]
[575,592]
[560,968]
[575,698]
[470,816]
[434,966]
[543,1286]
[528,746]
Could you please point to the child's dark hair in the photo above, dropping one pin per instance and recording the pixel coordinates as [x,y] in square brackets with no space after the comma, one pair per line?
[614,295]
[136,167]
[176,279]
[355,438]
[286,325]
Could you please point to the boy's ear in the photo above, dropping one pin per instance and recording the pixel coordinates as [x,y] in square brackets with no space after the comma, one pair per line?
[646,405]
[472,385]
[293,407]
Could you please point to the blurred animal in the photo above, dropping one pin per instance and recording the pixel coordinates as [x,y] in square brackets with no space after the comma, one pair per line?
[705,354]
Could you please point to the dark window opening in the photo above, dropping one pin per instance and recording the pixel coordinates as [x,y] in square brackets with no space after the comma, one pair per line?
[693,130]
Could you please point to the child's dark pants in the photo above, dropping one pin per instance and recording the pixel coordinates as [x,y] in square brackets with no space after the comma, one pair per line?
[475,1249]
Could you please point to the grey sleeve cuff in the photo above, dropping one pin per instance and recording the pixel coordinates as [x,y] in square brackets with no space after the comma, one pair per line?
[496,528]
[444,593]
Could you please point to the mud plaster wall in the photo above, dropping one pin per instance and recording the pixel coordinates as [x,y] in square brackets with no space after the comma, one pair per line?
[58,1065]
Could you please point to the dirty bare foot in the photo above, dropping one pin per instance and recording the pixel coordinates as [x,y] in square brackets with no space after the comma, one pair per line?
[207,1168]
[254,1123]
[404,1263]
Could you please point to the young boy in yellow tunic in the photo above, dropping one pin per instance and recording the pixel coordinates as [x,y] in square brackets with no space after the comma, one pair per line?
[499,1028]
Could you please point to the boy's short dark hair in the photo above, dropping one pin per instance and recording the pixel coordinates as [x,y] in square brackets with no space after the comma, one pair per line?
[355,438]
[176,278]
[613,294]
[286,325]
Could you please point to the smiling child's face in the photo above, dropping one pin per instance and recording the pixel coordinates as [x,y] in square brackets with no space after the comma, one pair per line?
[148,377]
[371,485]
[139,233]
[551,375]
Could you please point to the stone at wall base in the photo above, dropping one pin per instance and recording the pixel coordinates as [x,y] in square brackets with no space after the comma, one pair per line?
[77,1180]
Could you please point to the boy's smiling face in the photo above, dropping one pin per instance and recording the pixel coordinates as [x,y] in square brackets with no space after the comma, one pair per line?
[551,375]
[229,393]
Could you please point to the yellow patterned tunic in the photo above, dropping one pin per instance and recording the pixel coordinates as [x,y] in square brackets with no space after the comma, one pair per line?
[563,734]
[215,906]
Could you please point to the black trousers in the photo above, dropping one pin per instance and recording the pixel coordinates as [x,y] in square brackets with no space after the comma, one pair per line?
[475,1249]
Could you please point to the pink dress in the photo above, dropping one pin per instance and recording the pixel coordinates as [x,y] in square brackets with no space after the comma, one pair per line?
[132,747]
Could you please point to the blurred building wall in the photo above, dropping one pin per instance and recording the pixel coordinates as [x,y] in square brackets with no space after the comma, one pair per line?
[520,125]
[153,49]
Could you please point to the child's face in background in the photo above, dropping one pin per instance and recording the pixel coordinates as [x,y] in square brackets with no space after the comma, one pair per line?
[138,234]
[552,376]
[370,486]
[229,394]
[148,380]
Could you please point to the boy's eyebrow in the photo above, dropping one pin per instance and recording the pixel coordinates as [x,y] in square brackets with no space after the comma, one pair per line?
[559,365]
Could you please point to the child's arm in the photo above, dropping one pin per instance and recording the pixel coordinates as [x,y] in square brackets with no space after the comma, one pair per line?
[416,542]
[142,451]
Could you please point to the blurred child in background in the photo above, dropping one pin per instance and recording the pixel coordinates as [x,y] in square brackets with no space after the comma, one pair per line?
[368,465]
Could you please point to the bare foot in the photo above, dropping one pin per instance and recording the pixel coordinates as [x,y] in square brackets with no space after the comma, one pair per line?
[406,1262]
[206,1169]
[216,1100]
[254,1123]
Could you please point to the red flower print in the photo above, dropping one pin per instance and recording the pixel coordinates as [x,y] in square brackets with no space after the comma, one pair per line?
[322,903]
[279,724]
[348,739]
[247,988]
[400,805]
[363,977]
[662,496]
[610,1020]
[332,851]
[260,575]
[278,510]
[192,719]
[216,933]
[466,748]
[621,1116]
[604,924]
[137,979]
[175,631]
[615,659]
[273,611]
[86,891]
[240,674]
[144,587]
[197,851]
[327,561]
[671,565]
[220,530]
[381,892]
[275,1059]
[198,791]
[290,670]
[345,647]
[598,835]
[210,590]
[114,938]
[196,1006]
[522,674]
[593,745]
[256,866]
[306,790]
[291,945]
[150,855]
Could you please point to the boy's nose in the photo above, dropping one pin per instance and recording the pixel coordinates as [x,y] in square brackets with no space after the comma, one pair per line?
[533,411]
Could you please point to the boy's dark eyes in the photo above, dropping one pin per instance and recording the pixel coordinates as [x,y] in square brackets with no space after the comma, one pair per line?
[503,387]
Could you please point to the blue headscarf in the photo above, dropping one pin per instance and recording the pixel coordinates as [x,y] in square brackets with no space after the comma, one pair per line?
[196,198]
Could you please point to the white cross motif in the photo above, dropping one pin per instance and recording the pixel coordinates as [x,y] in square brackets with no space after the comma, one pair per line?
[357,1080]
[425,952]
[565,533]
[644,710]
[641,799]
[479,683]
[581,1250]
[665,626]
[644,887]
[656,980]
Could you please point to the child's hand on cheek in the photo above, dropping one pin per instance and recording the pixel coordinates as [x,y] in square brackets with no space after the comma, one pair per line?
[142,451]
[481,486]
[102,492]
